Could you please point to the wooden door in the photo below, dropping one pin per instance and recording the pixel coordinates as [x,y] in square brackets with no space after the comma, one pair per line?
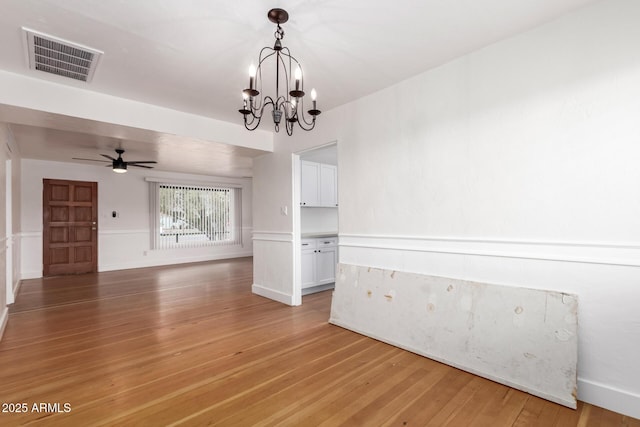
[70,230]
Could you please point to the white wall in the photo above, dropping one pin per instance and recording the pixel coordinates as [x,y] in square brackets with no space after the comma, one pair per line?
[514,165]
[124,241]
[16,195]
[318,220]
[9,230]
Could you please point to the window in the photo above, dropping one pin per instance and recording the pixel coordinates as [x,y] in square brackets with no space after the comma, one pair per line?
[195,216]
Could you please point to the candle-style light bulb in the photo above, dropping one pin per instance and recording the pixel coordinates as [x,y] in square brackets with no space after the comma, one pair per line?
[293,107]
[252,75]
[244,99]
[298,75]
[314,95]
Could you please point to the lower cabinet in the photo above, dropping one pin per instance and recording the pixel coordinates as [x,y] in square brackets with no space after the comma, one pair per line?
[319,260]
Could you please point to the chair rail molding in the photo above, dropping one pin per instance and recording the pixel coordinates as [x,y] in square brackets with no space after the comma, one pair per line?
[273,236]
[607,253]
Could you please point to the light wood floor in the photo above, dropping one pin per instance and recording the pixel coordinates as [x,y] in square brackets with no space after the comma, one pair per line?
[190,345]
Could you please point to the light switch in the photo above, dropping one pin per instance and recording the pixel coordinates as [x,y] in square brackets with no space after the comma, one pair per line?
[284,210]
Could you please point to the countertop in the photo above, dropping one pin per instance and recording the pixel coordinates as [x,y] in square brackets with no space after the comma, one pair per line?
[319,234]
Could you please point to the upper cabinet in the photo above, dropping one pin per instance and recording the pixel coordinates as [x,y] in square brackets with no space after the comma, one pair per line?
[309,183]
[328,185]
[319,184]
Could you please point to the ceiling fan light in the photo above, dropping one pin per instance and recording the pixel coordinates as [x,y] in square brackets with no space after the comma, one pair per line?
[120,168]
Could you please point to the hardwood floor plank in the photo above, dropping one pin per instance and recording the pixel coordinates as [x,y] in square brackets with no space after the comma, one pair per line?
[427,405]
[330,407]
[381,409]
[190,345]
[328,366]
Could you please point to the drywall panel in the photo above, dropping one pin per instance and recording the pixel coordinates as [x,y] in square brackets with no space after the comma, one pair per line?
[524,338]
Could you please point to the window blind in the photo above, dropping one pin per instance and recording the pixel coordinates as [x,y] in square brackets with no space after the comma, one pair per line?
[187,216]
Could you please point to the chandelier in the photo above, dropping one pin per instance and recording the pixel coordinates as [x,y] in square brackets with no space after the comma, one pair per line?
[288,105]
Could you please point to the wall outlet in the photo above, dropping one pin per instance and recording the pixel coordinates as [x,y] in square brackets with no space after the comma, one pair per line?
[284,210]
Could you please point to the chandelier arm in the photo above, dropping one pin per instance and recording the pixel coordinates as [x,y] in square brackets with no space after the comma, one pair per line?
[248,125]
[312,123]
[253,118]
[309,126]
[253,123]
[268,100]
[281,103]
[286,72]
[292,58]
[304,120]
[259,106]
[299,101]
[254,112]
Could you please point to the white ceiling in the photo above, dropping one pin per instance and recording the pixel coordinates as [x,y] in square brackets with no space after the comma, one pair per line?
[193,56]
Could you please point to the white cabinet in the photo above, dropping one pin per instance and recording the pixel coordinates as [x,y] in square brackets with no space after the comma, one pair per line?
[318,184]
[309,183]
[309,252]
[326,260]
[328,185]
[319,260]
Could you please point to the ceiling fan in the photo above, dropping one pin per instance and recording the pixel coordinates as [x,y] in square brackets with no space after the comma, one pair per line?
[119,165]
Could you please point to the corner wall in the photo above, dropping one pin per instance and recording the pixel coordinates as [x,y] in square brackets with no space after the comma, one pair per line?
[123,242]
[9,222]
[514,165]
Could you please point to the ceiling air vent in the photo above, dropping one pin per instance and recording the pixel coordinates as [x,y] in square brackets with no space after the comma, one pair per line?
[61,57]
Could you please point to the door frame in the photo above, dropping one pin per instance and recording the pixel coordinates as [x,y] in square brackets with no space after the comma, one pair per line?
[10,296]
[296,214]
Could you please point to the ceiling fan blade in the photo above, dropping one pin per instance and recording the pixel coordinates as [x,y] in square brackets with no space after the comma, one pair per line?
[108,157]
[135,163]
[91,160]
[140,166]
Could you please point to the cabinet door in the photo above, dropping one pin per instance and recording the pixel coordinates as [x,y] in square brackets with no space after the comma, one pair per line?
[309,183]
[326,260]
[328,185]
[308,268]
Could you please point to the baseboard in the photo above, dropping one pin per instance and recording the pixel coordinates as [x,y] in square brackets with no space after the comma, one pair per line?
[150,263]
[16,288]
[609,397]
[319,288]
[3,321]
[272,294]
[33,274]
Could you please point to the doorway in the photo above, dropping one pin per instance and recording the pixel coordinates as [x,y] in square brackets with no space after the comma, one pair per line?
[315,220]
[70,229]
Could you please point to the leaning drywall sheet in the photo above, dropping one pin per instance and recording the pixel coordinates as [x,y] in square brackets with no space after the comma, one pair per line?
[520,337]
